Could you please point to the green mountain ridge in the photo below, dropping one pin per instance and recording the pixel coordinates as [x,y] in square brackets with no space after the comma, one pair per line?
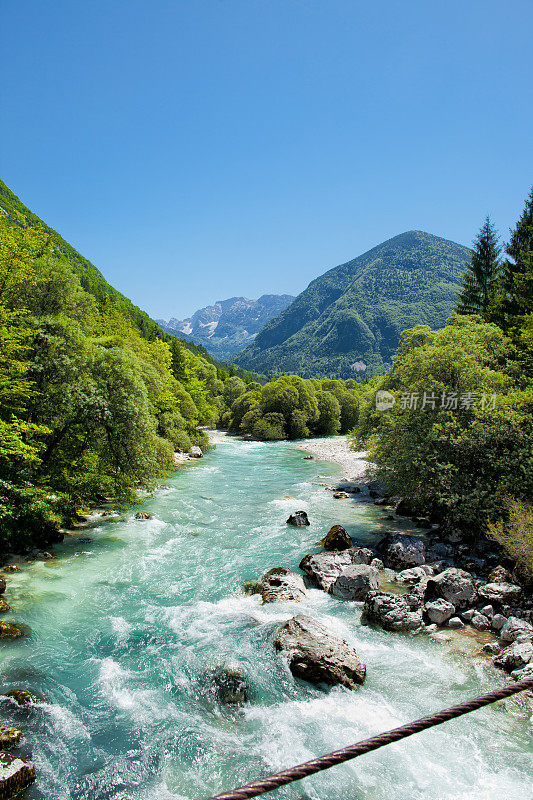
[348,322]
[90,276]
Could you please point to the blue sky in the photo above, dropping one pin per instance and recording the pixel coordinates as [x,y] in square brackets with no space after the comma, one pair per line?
[203,149]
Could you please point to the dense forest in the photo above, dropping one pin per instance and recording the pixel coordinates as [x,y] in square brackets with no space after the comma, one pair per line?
[455,433]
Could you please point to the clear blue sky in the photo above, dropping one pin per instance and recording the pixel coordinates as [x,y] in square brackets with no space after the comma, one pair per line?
[198,149]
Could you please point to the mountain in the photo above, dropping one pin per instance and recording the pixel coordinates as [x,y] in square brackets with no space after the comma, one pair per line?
[90,277]
[229,325]
[347,323]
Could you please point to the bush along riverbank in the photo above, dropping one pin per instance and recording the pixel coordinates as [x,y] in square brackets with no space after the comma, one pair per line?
[436,583]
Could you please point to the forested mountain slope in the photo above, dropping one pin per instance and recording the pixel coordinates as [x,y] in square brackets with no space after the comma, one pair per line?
[348,322]
[91,279]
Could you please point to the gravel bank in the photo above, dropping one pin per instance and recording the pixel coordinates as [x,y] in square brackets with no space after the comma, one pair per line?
[335,449]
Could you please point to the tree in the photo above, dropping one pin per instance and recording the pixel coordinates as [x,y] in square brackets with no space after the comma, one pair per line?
[517,295]
[480,282]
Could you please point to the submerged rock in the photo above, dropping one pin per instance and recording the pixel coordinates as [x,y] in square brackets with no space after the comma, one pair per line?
[317,656]
[143,515]
[355,582]
[454,585]
[392,611]
[280,583]
[299,519]
[2,585]
[341,495]
[15,774]
[3,606]
[402,551]
[21,697]
[337,538]
[229,685]
[8,630]
[9,737]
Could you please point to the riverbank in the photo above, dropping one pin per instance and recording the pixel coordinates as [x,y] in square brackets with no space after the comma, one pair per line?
[354,464]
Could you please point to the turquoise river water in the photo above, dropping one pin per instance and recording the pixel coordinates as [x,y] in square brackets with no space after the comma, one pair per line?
[125,626]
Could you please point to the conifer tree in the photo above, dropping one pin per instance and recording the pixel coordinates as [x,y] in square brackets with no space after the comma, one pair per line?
[518,267]
[480,281]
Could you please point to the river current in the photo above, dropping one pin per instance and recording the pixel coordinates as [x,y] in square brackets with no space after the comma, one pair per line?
[128,621]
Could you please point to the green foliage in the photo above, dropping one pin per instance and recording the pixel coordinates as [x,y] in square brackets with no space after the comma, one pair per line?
[292,407]
[481,280]
[455,463]
[514,532]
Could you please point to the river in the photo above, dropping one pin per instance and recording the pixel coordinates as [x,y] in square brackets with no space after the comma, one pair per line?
[126,622]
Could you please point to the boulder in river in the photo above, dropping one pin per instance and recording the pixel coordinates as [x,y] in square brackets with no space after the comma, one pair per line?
[4,607]
[514,628]
[317,656]
[324,568]
[2,585]
[196,452]
[341,495]
[439,611]
[299,519]
[454,585]
[393,612]
[143,515]
[281,583]
[516,656]
[355,582]
[500,593]
[401,551]
[9,737]
[15,774]
[337,538]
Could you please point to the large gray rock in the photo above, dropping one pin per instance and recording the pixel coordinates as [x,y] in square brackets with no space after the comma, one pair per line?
[516,656]
[414,574]
[325,568]
[500,593]
[454,585]
[196,452]
[15,774]
[355,582]
[317,656]
[280,583]
[515,627]
[401,551]
[392,611]
[439,611]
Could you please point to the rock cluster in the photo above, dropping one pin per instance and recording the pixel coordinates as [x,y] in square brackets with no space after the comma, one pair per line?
[317,656]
